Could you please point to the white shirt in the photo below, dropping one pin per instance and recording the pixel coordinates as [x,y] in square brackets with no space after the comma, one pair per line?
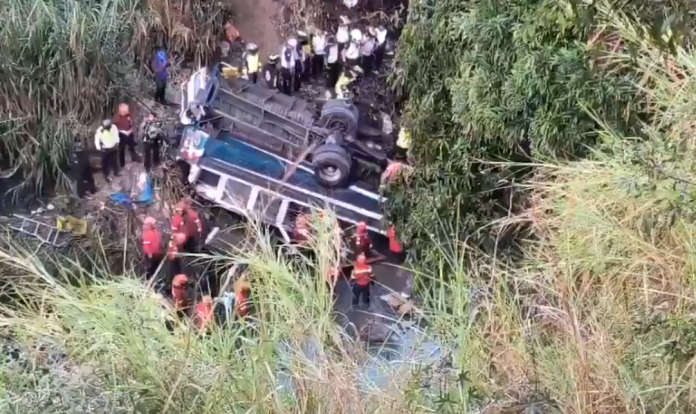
[342,35]
[353,52]
[367,47]
[333,54]
[293,57]
[381,36]
[319,44]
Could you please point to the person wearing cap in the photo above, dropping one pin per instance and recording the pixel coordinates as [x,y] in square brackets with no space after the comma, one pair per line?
[176,245]
[288,57]
[319,53]
[343,34]
[81,171]
[106,140]
[381,37]
[152,246]
[333,67]
[179,292]
[270,72]
[305,52]
[160,68]
[252,64]
[126,137]
[367,48]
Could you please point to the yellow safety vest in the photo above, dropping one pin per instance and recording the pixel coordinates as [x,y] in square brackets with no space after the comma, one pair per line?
[253,64]
[404,139]
[106,138]
[307,49]
[342,82]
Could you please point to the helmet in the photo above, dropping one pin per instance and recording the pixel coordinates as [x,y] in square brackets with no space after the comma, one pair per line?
[180,280]
[361,259]
[123,109]
[361,227]
[179,238]
[106,123]
[273,58]
[251,47]
[292,42]
[356,35]
[149,222]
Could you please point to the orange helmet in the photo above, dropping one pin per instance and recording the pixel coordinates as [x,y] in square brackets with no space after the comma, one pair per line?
[149,222]
[179,238]
[179,280]
[361,259]
[361,227]
[123,109]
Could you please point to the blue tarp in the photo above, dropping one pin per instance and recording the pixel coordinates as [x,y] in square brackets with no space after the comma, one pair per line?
[145,197]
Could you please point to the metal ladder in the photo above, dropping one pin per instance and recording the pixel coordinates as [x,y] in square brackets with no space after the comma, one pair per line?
[33,228]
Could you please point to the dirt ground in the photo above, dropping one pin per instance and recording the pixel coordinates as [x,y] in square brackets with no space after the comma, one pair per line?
[256,22]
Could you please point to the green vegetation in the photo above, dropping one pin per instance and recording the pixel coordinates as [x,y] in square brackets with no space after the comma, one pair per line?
[63,63]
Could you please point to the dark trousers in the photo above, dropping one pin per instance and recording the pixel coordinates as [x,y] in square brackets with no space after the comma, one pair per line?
[126,142]
[151,154]
[297,80]
[191,245]
[360,290]
[174,268]
[160,89]
[286,81]
[307,70]
[351,63]
[109,158]
[254,77]
[379,57]
[333,72]
[317,65]
[367,62]
[84,180]
[151,265]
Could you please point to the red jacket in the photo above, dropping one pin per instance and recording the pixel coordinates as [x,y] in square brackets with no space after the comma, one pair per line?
[363,244]
[152,242]
[203,315]
[179,296]
[189,222]
[173,249]
[362,274]
[394,244]
[242,303]
[124,123]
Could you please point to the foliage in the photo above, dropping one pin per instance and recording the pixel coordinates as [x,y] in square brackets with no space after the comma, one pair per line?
[490,81]
[67,67]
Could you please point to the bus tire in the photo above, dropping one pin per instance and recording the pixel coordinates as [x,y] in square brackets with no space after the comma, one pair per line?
[339,115]
[332,165]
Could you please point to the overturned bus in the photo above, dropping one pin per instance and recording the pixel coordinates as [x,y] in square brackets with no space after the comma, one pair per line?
[252,150]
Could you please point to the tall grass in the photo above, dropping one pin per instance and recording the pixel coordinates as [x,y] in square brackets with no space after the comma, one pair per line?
[63,63]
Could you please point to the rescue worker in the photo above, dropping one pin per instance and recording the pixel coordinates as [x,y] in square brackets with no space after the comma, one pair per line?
[270,72]
[176,245]
[126,137]
[367,49]
[81,171]
[351,56]
[179,293]
[301,231]
[395,246]
[393,168]
[362,241]
[333,67]
[343,34]
[203,315]
[305,52]
[288,56]
[160,68]
[252,64]
[153,134]
[361,279]
[232,35]
[242,294]
[318,53]
[187,221]
[342,88]
[106,141]
[381,36]
[403,141]
[152,246]
[299,68]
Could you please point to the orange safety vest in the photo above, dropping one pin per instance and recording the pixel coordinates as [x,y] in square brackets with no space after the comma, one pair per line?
[362,274]
[203,316]
[152,242]
[394,244]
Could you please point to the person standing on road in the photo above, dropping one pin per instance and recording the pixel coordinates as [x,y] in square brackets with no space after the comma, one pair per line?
[106,141]
[126,138]
[299,67]
[288,56]
[319,52]
[153,134]
[343,34]
[252,64]
[306,55]
[160,68]
[381,36]
[176,245]
[333,67]
[270,73]
[367,49]
[81,171]
[361,279]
